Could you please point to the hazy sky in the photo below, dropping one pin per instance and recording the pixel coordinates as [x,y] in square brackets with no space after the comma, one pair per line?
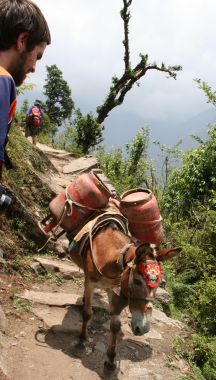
[87,46]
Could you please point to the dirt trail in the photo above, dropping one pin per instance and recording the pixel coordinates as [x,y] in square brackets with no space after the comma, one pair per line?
[42,342]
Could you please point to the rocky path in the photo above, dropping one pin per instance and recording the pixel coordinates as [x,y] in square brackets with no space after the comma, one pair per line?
[38,340]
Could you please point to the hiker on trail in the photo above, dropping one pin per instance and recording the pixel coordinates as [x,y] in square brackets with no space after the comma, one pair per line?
[34,118]
[24,35]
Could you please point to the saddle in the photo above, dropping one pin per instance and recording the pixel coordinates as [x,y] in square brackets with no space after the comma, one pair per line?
[83,240]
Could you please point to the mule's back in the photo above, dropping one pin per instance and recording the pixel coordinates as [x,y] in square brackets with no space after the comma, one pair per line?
[102,259]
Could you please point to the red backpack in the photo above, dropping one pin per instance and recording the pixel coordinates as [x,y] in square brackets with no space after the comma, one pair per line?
[35,116]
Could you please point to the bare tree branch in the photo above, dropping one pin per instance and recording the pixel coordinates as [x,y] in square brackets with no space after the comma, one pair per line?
[121,86]
[125,15]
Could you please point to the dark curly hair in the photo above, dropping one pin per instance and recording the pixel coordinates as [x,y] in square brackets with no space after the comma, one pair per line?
[18,16]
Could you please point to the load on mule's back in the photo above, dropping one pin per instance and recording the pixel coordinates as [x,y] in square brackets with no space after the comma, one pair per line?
[87,196]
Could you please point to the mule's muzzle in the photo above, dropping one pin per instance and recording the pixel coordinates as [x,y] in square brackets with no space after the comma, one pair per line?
[140,324]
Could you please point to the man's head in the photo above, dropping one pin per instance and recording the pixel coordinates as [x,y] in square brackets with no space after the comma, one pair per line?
[37,103]
[24,35]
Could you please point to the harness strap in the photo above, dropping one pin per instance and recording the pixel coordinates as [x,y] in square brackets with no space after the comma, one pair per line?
[123,251]
[121,254]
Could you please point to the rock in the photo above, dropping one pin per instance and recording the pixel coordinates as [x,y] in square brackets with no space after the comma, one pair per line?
[66,269]
[52,299]
[152,334]
[37,268]
[60,299]
[143,374]
[3,321]
[60,320]
[62,245]
[159,316]
[163,296]
[100,346]
[5,347]
[83,164]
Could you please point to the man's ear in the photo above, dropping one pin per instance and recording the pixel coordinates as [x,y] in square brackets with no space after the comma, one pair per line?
[21,42]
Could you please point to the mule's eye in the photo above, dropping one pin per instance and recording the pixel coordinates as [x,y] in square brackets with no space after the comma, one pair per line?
[137,282]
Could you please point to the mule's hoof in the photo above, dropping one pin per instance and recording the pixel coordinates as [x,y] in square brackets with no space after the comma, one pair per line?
[109,366]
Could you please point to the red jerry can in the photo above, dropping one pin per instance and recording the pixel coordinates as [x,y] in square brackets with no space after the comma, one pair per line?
[140,207]
[84,196]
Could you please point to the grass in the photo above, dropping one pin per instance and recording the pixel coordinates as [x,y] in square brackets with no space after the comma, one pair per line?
[23,304]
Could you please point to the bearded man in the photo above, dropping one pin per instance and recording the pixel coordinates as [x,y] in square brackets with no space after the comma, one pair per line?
[24,35]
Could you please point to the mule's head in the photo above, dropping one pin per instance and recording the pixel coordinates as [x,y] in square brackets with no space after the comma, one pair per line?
[144,279]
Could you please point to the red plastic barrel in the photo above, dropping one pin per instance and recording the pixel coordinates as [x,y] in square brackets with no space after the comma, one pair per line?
[140,207]
[82,197]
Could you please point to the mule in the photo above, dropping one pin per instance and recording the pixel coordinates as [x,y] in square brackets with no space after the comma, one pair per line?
[130,272]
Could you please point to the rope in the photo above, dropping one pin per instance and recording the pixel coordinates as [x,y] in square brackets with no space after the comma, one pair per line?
[72,202]
[153,224]
[52,233]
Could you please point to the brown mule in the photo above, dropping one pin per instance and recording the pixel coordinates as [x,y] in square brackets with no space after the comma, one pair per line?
[129,272]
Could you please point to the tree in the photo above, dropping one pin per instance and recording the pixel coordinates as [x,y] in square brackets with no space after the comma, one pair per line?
[81,135]
[89,131]
[121,86]
[169,156]
[24,87]
[59,104]
[25,106]
[89,128]
[211,95]
[20,116]
[195,182]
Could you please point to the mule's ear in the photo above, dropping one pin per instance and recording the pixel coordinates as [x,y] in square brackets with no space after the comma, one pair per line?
[167,253]
[142,251]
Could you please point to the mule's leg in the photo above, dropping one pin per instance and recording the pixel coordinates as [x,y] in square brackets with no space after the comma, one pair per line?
[117,304]
[87,310]
[115,326]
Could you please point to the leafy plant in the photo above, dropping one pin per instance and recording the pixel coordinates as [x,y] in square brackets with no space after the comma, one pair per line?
[19,303]
[129,170]
[195,180]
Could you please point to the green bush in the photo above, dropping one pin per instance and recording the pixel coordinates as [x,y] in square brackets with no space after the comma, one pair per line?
[200,352]
[127,171]
[194,181]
